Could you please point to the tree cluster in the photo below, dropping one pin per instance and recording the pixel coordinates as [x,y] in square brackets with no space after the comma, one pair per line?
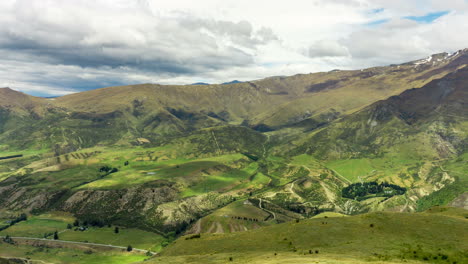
[245,218]
[21,217]
[360,190]
[108,169]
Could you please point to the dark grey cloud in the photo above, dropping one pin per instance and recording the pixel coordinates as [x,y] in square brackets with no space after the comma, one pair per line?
[169,44]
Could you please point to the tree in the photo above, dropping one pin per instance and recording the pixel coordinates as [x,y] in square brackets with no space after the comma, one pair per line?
[116,230]
[69,226]
[8,240]
[129,248]
[76,223]
[22,217]
[56,235]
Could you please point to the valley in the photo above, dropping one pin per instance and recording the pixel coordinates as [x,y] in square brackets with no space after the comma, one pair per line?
[270,170]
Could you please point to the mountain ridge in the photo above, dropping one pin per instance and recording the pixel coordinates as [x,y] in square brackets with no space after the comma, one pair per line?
[176,160]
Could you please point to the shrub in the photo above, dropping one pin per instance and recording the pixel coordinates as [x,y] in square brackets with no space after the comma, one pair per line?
[8,239]
[129,248]
[193,237]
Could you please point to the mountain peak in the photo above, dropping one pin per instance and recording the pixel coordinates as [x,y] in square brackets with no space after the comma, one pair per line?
[232,82]
[7,91]
[12,99]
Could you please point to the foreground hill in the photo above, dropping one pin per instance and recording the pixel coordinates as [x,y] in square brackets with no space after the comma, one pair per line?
[434,237]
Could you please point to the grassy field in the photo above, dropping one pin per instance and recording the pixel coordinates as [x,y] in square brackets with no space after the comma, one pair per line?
[43,254]
[37,226]
[352,169]
[46,224]
[438,237]
[142,169]
[126,236]
[272,258]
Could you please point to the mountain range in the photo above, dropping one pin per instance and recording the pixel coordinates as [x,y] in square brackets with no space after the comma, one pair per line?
[189,159]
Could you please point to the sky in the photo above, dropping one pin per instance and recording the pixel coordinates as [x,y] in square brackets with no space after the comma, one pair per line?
[56,47]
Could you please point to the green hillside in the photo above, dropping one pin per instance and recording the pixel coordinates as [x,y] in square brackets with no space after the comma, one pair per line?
[433,237]
[257,168]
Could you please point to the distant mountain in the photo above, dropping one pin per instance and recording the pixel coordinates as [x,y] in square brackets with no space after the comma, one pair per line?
[154,111]
[200,83]
[232,82]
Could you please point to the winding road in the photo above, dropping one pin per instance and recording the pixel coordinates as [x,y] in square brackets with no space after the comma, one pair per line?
[266,210]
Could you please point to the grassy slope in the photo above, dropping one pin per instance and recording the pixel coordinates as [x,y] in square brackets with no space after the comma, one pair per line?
[427,234]
[47,224]
[226,219]
[457,167]
[67,256]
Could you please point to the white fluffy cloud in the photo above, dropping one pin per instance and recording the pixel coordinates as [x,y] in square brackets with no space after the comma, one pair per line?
[54,47]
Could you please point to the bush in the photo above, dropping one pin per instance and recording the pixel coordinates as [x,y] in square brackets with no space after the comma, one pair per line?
[129,248]
[193,236]
[8,239]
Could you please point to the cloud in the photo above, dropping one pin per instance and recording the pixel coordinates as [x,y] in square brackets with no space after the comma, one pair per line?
[402,40]
[53,47]
[327,48]
[378,22]
[69,33]
[117,35]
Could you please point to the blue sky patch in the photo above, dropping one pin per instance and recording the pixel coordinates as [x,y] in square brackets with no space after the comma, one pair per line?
[428,18]
[378,22]
[377,10]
